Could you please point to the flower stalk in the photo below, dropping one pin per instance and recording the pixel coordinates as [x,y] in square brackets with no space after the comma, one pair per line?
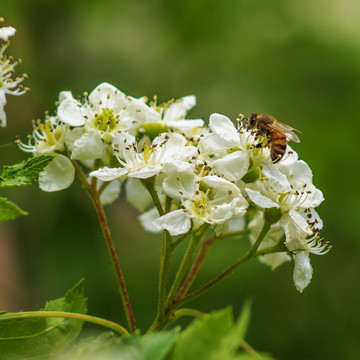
[95,198]
[250,254]
[67,315]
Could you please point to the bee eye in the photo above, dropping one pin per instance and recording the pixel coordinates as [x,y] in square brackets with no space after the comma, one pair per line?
[252,121]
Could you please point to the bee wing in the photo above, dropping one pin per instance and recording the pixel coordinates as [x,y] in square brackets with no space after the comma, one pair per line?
[286,130]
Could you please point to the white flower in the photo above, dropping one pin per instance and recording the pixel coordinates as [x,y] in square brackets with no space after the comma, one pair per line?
[8,86]
[290,189]
[235,149]
[144,161]
[110,193]
[213,200]
[49,138]
[171,115]
[272,238]
[137,195]
[7,32]
[58,174]
[103,114]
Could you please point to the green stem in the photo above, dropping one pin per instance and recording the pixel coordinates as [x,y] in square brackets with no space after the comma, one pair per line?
[170,318]
[188,312]
[186,262]
[165,261]
[250,254]
[232,234]
[95,198]
[149,184]
[279,247]
[83,317]
[179,240]
[204,250]
[249,349]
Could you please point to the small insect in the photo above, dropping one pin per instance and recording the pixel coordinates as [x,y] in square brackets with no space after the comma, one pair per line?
[277,134]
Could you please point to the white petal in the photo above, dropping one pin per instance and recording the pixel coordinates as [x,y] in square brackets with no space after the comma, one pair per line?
[64,95]
[179,108]
[298,173]
[145,172]
[72,135]
[122,141]
[302,271]
[175,222]
[180,180]
[261,200]
[111,192]
[213,144]
[300,222]
[57,175]
[221,213]
[147,219]
[276,178]
[315,220]
[137,195]
[6,32]
[136,113]
[88,147]
[289,157]
[272,238]
[69,112]
[2,108]
[313,199]
[185,124]
[236,224]
[223,127]
[108,174]
[108,96]
[233,166]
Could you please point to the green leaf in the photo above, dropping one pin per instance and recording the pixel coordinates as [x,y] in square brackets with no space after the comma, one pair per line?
[92,345]
[25,172]
[34,337]
[9,210]
[243,321]
[204,337]
[231,342]
[154,346]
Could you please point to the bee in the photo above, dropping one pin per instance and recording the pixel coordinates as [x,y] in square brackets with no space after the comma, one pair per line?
[277,134]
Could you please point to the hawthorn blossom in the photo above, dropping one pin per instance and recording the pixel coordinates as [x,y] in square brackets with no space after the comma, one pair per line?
[209,199]
[104,113]
[171,115]
[143,161]
[49,138]
[6,32]
[290,189]
[235,149]
[8,85]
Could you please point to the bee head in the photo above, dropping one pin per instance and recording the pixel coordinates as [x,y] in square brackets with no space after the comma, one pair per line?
[252,121]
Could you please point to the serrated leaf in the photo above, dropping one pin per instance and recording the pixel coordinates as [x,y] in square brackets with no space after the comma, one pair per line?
[25,172]
[204,336]
[34,337]
[9,210]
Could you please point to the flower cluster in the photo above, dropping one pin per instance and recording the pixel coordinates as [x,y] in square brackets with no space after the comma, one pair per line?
[8,85]
[220,175]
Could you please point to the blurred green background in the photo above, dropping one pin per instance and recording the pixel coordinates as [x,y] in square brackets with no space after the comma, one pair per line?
[298,60]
